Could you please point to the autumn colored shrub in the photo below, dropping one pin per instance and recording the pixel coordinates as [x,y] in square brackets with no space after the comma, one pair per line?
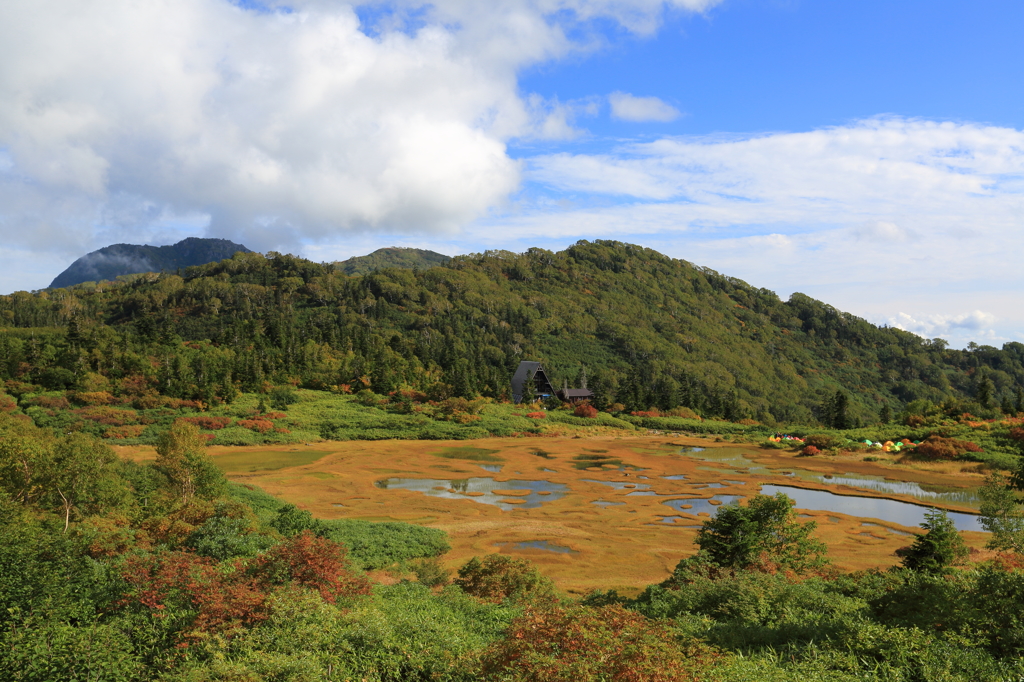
[938,447]
[108,416]
[810,451]
[577,643]
[109,536]
[314,562]
[536,415]
[93,398]
[8,404]
[177,404]
[408,394]
[260,425]
[148,402]
[135,385]
[499,577]
[50,402]
[208,423]
[194,591]
[20,388]
[646,413]
[585,409]
[120,432]
[1016,433]
[210,598]
[687,413]
[822,441]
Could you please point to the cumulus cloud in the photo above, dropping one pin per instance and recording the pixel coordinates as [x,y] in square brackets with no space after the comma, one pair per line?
[875,216]
[978,322]
[626,107]
[294,121]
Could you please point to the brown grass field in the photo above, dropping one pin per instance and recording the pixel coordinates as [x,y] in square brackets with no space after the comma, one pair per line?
[624,546]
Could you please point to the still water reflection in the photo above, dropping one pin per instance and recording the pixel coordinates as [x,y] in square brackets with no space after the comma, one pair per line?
[482,490]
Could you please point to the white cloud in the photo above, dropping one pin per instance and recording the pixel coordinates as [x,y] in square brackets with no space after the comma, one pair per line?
[278,126]
[626,107]
[977,322]
[875,217]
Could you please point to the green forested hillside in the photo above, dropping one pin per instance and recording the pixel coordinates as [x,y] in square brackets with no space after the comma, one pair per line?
[647,330]
[392,257]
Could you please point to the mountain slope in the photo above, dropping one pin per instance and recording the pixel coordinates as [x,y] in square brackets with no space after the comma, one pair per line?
[648,330]
[113,261]
[393,257]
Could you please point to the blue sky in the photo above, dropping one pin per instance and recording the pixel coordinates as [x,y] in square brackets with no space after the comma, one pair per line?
[868,153]
[765,65]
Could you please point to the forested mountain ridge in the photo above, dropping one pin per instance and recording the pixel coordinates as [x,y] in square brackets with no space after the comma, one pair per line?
[117,260]
[648,329]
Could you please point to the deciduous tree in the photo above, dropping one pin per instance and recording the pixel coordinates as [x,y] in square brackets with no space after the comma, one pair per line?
[765,532]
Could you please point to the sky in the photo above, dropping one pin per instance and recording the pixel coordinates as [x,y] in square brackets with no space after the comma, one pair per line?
[869,154]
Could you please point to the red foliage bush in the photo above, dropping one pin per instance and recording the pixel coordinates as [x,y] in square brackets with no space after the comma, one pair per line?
[937,447]
[536,415]
[810,451]
[585,410]
[1017,434]
[50,403]
[261,425]
[135,385]
[409,394]
[275,415]
[208,423]
[8,404]
[170,583]
[646,413]
[209,598]
[579,643]
[313,562]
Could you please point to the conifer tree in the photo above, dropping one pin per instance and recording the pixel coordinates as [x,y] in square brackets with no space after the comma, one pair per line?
[938,549]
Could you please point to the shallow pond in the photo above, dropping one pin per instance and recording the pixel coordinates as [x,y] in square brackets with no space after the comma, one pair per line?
[734,457]
[903,513]
[482,490]
[620,485]
[542,545]
[698,505]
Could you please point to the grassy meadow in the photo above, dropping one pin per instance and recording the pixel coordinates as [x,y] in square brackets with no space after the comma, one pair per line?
[623,545]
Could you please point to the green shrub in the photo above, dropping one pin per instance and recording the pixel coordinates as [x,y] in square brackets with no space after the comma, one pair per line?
[500,577]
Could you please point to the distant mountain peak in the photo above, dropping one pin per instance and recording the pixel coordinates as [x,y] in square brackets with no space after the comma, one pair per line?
[393,257]
[115,260]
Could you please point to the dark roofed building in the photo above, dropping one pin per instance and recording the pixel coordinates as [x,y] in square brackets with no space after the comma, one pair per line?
[528,370]
[575,395]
